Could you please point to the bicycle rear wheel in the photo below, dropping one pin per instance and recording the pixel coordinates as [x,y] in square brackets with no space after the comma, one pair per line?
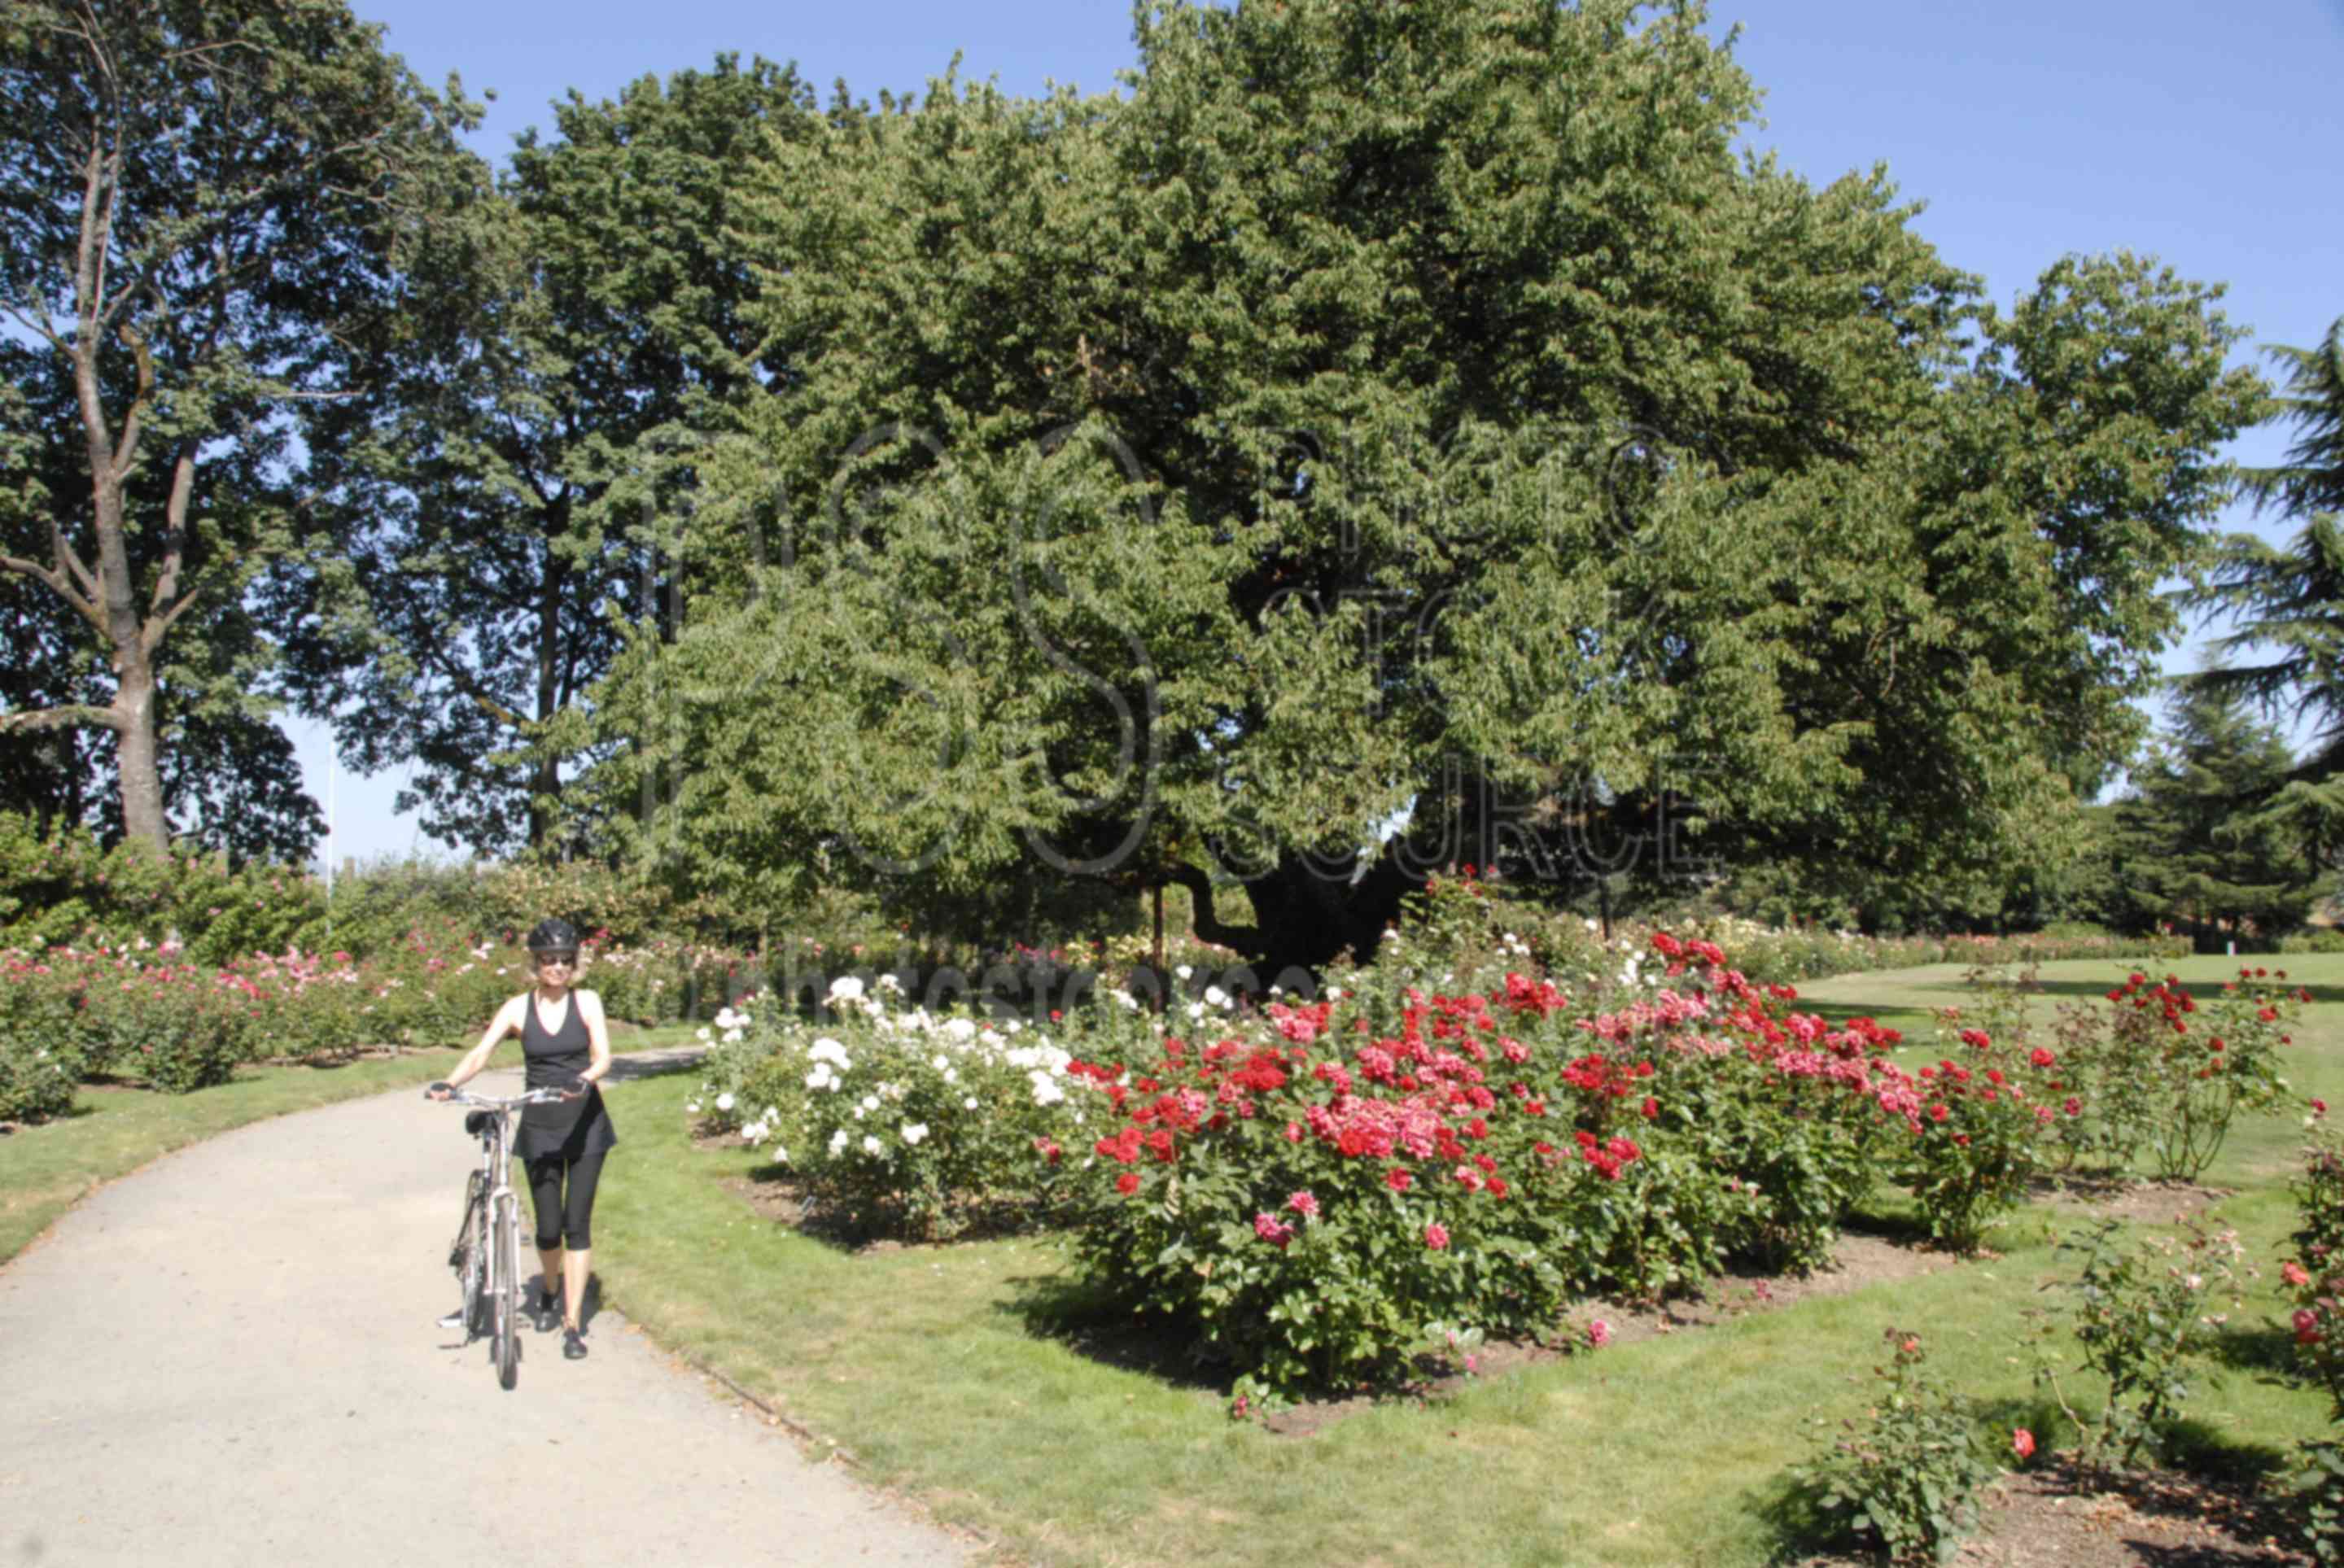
[506,1351]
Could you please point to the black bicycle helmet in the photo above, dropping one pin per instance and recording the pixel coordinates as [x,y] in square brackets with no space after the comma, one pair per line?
[553,937]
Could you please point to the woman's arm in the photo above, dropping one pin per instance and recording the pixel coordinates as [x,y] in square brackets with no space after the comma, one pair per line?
[598,1033]
[506,1022]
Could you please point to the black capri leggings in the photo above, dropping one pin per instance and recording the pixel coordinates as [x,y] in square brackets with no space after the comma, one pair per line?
[559,1217]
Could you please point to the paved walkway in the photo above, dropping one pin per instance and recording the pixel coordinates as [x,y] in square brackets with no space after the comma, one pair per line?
[230,1357]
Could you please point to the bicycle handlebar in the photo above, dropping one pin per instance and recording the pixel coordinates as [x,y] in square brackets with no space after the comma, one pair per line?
[466,1097]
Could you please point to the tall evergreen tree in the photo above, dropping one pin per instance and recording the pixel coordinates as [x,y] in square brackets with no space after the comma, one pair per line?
[2195,841]
[2284,604]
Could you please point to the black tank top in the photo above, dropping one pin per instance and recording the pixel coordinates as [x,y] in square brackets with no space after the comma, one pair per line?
[554,1059]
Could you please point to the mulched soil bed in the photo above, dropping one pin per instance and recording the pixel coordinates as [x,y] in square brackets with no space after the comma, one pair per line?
[2057,1515]
[2052,1516]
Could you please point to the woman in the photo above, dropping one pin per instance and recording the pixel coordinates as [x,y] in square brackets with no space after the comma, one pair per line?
[565,1044]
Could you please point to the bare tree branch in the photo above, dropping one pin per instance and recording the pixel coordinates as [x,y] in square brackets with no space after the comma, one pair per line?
[83,605]
[461,679]
[71,563]
[66,717]
[174,546]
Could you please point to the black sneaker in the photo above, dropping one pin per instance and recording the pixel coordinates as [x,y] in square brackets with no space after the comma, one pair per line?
[573,1344]
[547,1311]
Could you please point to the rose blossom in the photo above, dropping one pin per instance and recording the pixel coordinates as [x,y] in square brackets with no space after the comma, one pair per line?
[1436,1236]
[1267,1228]
[1599,1334]
[2021,1443]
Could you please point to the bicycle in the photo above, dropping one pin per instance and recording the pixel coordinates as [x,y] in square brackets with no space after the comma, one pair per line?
[485,1253]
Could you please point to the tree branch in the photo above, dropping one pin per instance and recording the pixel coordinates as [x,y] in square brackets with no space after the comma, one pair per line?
[175,541]
[457,677]
[86,607]
[1246,939]
[68,717]
[67,561]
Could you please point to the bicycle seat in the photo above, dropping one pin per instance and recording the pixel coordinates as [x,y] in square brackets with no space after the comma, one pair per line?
[476,1122]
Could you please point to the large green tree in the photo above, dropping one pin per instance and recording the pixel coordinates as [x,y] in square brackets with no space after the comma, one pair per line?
[201,205]
[563,355]
[1404,412]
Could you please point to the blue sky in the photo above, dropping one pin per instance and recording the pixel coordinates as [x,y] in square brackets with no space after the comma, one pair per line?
[2029,129]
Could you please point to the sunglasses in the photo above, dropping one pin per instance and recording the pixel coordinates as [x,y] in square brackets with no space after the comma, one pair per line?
[547,960]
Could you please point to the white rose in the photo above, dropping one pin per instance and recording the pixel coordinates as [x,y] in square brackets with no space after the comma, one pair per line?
[913,1132]
[1216,996]
[969,1104]
[872,1146]
[838,1142]
[724,1101]
[846,988]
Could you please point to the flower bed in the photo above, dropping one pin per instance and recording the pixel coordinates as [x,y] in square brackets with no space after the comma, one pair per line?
[1319,1189]
[149,1011]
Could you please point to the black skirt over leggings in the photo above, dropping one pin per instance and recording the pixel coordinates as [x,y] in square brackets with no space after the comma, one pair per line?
[562,1144]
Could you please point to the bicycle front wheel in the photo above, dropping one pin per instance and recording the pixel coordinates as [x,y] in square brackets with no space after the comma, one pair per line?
[506,1351]
[472,1261]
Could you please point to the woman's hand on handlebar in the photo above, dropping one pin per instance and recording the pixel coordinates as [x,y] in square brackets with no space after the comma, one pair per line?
[443,1089]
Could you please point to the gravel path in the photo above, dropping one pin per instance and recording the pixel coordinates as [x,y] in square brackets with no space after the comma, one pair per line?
[230,1356]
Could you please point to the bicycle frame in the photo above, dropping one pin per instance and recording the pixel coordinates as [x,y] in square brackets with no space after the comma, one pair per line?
[499,1231]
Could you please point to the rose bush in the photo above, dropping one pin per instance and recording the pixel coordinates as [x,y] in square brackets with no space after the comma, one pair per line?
[900,1119]
[1319,1190]
[1905,1479]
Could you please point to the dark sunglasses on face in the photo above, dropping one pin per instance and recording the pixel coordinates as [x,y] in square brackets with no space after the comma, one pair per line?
[547,960]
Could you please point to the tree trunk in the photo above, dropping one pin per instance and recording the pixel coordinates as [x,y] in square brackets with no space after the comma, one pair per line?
[138,759]
[1307,915]
[548,784]
[138,752]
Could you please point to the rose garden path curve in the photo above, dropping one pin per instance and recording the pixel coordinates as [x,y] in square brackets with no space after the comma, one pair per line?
[229,1358]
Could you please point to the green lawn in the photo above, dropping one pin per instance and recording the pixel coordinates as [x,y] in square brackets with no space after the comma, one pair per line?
[940,1369]
[944,1373]
[113,1131]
